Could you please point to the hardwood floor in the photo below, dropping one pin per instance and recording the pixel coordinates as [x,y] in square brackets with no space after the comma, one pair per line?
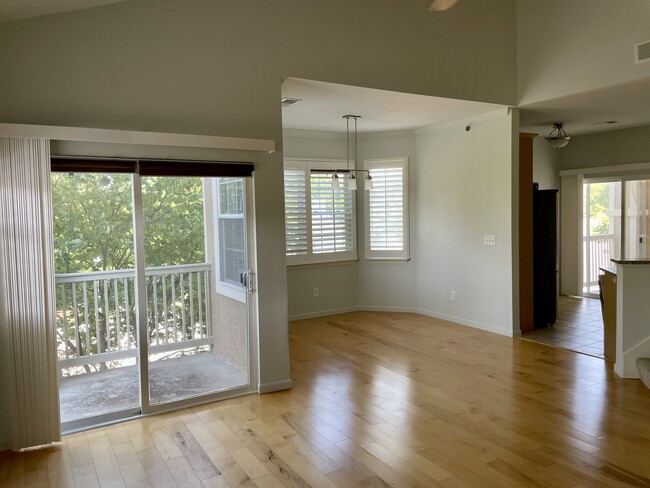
[382,399]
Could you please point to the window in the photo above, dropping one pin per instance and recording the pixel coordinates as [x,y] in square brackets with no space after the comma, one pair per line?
[320,221]
[231,237]
[387,230]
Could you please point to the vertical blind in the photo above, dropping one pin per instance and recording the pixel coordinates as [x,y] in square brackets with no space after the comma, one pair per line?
[27,302]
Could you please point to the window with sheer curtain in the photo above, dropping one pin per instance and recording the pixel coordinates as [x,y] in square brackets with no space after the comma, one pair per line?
[320,222]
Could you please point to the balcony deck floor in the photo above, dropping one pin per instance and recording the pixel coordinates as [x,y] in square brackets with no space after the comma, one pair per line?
[103,392]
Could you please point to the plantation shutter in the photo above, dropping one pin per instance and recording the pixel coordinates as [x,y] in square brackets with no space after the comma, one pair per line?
[386,210]
[295,207]
[331,216]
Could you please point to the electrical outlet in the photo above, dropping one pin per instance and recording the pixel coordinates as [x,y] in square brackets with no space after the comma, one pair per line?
[452,296]
[489,240]
[316,291]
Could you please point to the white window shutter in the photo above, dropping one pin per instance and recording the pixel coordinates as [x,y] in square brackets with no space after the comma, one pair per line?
[295,207]
[331,216]
[387,210]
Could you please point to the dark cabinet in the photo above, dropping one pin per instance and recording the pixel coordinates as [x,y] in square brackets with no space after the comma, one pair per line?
[544,257]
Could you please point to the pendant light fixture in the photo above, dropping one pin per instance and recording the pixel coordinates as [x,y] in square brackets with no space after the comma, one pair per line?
[558,137]
[351,178]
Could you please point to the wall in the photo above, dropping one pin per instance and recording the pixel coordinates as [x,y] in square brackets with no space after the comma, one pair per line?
[625,146]
[463,190]
[573,47]
[546,164]
[383,285]
[215,67]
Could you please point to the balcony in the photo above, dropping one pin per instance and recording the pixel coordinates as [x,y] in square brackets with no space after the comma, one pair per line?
[97,340]
[598,253]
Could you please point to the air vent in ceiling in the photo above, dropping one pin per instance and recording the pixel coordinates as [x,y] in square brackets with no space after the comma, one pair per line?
[642,52]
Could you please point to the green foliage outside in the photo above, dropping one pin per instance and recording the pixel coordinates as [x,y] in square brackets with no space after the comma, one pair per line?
[93,231]
[598,208]
[93,222]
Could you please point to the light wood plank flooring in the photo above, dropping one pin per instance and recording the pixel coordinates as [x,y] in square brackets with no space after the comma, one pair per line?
[382,399]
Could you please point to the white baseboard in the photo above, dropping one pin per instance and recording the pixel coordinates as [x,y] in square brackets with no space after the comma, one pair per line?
[469,323]
[275,386]
[323,313]
[626,368]
[423,311]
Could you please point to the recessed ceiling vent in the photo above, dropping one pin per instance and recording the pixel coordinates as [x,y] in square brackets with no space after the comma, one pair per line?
[642,52]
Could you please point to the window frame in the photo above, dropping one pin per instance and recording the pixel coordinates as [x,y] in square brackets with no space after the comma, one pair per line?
[320,259]
[391,255]
[226,288]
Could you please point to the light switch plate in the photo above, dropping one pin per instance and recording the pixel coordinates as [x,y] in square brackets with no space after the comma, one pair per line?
[489,240]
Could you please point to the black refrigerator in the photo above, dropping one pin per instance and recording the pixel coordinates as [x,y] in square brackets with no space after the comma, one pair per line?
[544,257]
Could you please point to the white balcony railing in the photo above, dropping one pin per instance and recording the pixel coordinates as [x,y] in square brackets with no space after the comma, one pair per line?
[96,314]
[600,253]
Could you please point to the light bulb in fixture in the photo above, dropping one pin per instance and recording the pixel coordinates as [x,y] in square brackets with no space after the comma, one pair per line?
[335,182]
[368,184]
[558,137]
[352,182]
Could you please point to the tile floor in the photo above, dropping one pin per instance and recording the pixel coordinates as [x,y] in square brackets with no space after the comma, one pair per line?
[579,327]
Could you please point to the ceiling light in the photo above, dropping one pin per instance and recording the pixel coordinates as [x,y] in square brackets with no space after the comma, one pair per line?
[352,180]
[368,184]
[290,101]
[558,137]
[335,181]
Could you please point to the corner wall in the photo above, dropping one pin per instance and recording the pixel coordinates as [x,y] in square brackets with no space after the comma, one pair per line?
[463,188]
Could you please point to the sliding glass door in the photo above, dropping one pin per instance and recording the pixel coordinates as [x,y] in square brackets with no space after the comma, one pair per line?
[602,230]
[95,287]
[197,336]
[152,292]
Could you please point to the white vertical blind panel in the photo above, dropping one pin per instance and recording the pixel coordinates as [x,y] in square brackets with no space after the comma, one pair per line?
[27,323]
[386,210]
[331,216]
[295,198]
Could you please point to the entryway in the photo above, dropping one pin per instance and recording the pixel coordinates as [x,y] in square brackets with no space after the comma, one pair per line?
[579,327]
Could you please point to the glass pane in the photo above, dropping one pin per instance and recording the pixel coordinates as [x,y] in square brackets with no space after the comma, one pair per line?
[96,316]
[636,219]
[190,350]
[602,240]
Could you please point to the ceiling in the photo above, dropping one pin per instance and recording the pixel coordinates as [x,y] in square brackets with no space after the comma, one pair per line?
[628,104]
[26,9]
[323,106]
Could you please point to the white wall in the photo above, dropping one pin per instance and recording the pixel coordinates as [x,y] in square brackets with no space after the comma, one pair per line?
[215,67]
[463,190]
[382,285]
[625,146]
[577,46]
[546,164]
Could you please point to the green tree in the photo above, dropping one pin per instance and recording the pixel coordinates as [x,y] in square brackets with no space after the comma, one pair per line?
[598,208]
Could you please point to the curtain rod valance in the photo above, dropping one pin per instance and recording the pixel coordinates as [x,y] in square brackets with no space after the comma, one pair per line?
[153,167]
